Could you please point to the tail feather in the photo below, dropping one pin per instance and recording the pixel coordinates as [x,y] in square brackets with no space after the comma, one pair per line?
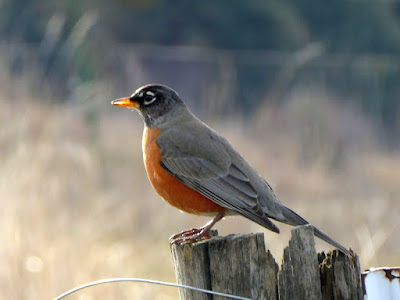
[327,239]
[294,219]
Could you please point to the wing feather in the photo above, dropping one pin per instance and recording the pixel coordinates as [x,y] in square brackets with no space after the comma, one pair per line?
[237,173]
[250,214]
[240,185]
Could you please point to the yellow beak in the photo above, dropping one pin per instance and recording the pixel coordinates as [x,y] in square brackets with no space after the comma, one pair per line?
[126,102]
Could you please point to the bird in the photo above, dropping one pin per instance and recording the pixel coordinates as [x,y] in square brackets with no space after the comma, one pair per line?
[198,171]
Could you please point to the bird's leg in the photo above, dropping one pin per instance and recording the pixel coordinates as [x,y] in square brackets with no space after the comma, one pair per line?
[195,234]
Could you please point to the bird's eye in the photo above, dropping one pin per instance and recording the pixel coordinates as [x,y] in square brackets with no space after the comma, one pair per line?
[149,97]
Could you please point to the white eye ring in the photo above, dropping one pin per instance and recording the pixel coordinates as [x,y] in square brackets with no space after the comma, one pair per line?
[149,94]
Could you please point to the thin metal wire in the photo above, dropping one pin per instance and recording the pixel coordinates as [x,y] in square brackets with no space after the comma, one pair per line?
[110,280]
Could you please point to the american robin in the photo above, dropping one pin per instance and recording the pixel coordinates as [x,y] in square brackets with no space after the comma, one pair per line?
[198,171]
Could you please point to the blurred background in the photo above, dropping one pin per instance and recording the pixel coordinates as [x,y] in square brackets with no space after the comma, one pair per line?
[307,91]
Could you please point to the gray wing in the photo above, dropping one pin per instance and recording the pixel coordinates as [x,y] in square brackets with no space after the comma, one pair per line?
[208,168]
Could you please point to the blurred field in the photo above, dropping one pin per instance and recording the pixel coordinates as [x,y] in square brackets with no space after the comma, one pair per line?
[77,206]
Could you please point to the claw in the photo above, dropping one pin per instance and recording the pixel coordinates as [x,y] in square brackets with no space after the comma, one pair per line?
[195,234]
[190,236]
[185,233]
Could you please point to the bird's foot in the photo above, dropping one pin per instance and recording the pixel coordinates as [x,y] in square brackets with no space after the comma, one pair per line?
[190,235]
[196,234]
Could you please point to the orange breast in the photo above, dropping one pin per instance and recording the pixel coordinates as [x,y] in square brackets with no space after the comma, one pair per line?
[167,186]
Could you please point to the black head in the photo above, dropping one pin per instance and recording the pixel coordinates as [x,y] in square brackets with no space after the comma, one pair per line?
[152,101]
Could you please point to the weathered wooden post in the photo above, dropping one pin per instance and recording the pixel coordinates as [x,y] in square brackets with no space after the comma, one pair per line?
[299,275]
[235,264]
[304,275]
[240,265]
[340,276]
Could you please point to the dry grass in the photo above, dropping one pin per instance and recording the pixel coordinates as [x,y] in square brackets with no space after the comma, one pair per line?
[77,206]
